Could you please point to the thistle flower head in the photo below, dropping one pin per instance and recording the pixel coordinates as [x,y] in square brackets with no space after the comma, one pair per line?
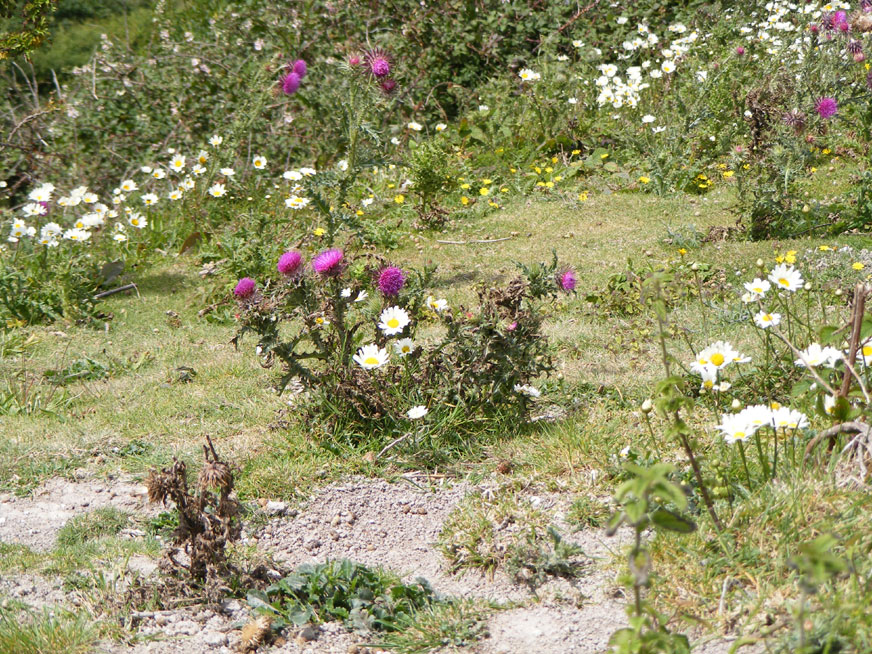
[245,288]
[827,107]
[379,63]
[291,83]
[388,86]
[328,262]
[567,280]
[299,67]
[289,263]
[391,281]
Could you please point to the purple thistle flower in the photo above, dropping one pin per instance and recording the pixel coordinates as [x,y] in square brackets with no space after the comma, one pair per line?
[826,107]
[354,60]
[245,288]
[567,280]
[300,68]
[391,281]
[291,83]
[289,263]
[328,262]
[380,67]
[840,18]
[854,46]
[379,63]
[740,50]
[388,86]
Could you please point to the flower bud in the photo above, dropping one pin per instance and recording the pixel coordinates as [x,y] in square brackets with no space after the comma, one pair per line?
[759,263]
[647,406]
[838,292]
[694,267]
[807,286]
[736,405]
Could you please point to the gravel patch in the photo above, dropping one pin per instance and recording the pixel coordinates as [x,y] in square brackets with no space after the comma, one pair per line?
[34,520]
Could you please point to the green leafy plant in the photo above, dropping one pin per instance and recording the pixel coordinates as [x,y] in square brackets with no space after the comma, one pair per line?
[650,499]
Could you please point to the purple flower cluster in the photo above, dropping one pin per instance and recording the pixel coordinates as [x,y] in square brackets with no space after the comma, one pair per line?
[391,281]
[289,263]
[567,280]
[328,263]
[292,80]
[245,288]
[827,107]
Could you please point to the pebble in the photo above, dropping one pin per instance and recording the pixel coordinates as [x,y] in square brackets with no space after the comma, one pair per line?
[215,639]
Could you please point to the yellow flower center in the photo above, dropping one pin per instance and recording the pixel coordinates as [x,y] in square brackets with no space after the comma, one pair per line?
[739,435]
[406,349]
[767,318]
[758,289]
[371,361]
[393,323]
[717,359]
[784,282]
[867,350]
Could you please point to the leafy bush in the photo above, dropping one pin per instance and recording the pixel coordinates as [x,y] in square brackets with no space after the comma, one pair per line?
[329,331]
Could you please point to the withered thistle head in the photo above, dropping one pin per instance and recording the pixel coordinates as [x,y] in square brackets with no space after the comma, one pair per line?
[795,119]
[255,633]
[158,486]
[216,474]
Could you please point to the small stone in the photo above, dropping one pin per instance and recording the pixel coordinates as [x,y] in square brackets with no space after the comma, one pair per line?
[336,520]
[334,534]
[276,508]
[215,639]
[307,634]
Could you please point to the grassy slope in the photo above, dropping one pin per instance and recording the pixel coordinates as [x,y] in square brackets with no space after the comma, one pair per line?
[142,416]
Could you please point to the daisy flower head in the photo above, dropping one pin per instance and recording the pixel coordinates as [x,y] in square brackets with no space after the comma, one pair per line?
[198,169]
[528,390]
[289,263]
[735,427]
[814,356]
[328,262]
[787,418]
[765,320]
[292,175]
[159,173]
[437,305]
[391,281]
[245,288]
[175,194]
[361,296]
[149,199]
[217,190]
[404,347]
[393,320]
[371,356]
[416,412]
[417,127]
[137,220]
[202,157]
[259,162]
[719,355]
[216,140]
[758,287]
[177,163]
[786,277]
[864,352]
[529,75]
[296,203]
[441,127]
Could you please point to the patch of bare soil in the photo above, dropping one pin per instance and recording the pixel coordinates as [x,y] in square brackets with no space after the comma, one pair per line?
[34,520]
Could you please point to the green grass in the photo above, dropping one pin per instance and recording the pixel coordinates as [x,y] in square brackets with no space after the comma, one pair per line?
[125,409]
[46,633]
